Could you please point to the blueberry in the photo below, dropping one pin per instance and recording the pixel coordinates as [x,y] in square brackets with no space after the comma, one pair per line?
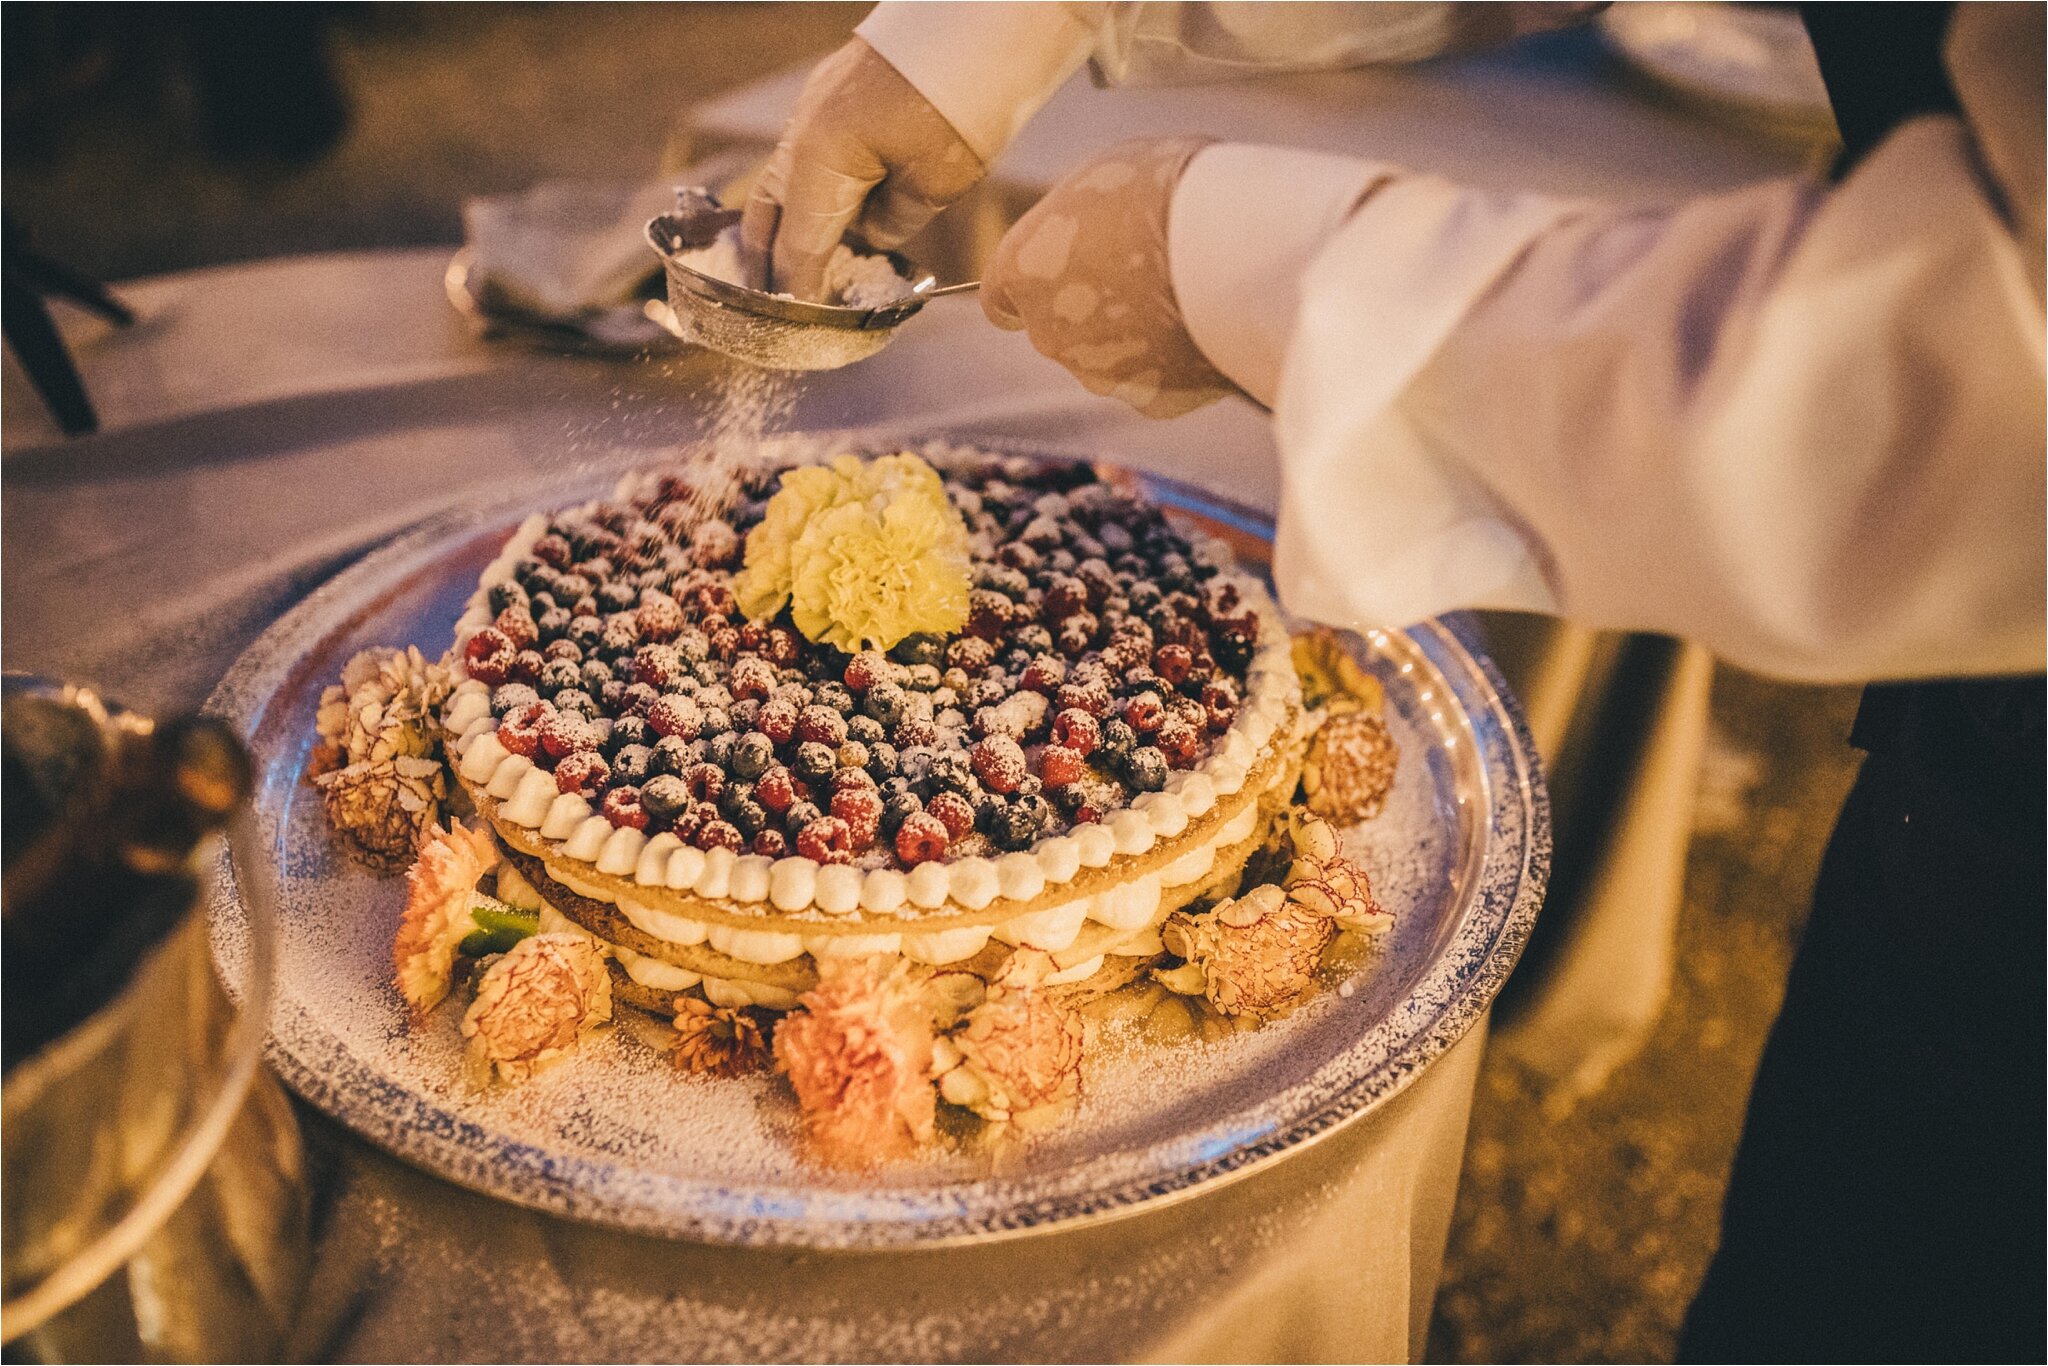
[750,816]
[921,648]
[801,814]
[898,808]
[615,595]
[717,721]
[815,760]
[507,698]
[557,675]
[1145,769]
[887,704]
[574,699]
[552,621]
[1118,739]
[1032,638]
[674,755]
[835,695]
[632,764]
[664,797]
[586,631]
[595,674]
[734,794]
[883,761]
[507,594]
[718,748]
[865,729]
[752,755]
[950,771]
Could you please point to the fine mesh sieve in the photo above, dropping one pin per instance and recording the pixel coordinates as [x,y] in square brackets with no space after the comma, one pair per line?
[770,330]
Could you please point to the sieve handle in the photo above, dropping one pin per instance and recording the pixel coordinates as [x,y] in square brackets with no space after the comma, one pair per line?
[964,287]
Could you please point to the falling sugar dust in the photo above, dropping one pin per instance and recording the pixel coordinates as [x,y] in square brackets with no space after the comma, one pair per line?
[747,406]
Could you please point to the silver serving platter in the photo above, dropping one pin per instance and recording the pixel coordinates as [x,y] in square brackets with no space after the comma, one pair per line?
[617,1137]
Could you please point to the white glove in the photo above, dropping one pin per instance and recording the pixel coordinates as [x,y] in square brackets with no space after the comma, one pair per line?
[864,154]
[1086,274]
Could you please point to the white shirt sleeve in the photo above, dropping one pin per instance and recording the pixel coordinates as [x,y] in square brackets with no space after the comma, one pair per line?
[1803,425]
[988,67]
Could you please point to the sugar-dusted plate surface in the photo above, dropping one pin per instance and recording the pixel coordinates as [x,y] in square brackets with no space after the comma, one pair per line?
[618,1137]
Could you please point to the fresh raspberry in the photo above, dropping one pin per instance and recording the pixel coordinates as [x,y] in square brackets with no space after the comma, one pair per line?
[553,549]
[622,808]
[583,772]
[715,544]
[677,715]
[490,656]
[1065,595]
[771,843]
[999,763]
[659,616]
[1058,765]
[1077,729]
[658,666]
[922,837]
[988,613]
[519,731]
[861,809]
[1179,742]
[719,834]
[775,788]
[1219,699]
[914,730]
[868,668]
[725,642]
[1145,712]
[752,676]
[638,699]
[1172,662]
[953,811]
[516,625]
[1044,675]
[970,653]
[1188,712]
[705,781]
[1091,698]
[820,725]
[1077,634]
[827,839]
[710,597]
[778,721]
[782,647]
[565,732]
[526,668]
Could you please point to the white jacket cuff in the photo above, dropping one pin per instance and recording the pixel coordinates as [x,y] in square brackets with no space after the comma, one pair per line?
[1244,224]
[1374,528]
[987,68]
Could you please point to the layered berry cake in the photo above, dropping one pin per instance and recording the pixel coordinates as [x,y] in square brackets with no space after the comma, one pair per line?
[885,776]
[1104,735]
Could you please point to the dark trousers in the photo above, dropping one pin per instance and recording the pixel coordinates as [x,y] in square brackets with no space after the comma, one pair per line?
[1887,1198]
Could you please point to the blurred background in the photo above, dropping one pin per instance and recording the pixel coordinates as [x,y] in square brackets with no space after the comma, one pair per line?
[141,139]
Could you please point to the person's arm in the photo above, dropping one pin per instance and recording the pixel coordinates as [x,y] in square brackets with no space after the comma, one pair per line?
[1803,425]
[914,110]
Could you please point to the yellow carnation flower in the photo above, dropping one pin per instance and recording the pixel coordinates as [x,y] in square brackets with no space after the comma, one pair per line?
[865,553]
[762,586]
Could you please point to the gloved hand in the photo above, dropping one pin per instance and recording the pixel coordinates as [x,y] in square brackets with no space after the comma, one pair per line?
[1085,273]
[863,152]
